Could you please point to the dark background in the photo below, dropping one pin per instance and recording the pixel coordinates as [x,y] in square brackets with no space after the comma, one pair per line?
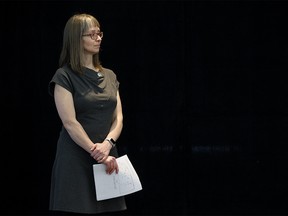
[204,93]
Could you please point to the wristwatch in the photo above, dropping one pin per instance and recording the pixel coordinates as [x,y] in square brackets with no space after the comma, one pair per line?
[112,142]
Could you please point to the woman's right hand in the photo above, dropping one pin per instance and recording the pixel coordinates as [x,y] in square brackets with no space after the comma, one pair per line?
[111,165]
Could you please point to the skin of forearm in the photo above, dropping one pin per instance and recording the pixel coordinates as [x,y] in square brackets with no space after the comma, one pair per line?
[78,135]
[116,128]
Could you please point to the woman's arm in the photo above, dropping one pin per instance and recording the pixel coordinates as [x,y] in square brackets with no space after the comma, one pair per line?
[117,124]
[65,107]
[116,127]
[100,151]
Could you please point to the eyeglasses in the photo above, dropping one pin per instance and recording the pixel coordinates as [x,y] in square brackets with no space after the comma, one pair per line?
[94,35]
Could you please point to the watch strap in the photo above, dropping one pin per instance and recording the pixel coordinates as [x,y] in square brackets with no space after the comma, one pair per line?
[112,142]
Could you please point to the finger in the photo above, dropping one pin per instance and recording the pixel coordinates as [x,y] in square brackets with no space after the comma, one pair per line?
[105,157]
[115,165]
[101,158]
[94,147]
[117,168]
[111,167]
[114,168]
[108,170]
[96,151]
[94,154]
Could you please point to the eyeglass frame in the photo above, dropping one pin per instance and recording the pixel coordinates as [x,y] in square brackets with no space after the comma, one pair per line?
[94,35]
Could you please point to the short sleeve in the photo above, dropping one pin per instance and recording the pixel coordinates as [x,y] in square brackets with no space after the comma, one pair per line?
[114,78]
[61,78]
[117,83]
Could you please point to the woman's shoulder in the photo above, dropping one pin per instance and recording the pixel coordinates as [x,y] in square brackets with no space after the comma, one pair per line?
[108,71]
[65,71]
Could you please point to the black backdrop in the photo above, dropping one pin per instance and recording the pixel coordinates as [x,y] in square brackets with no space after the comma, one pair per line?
[204,95]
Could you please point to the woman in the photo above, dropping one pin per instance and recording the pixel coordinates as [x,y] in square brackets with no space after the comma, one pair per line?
[88,103]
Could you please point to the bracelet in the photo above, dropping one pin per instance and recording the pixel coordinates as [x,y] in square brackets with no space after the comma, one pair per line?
[112,142]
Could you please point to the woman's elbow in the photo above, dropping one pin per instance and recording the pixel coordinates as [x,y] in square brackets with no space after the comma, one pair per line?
[68,124]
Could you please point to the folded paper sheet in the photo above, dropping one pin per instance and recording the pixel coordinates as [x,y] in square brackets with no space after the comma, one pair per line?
[115,185]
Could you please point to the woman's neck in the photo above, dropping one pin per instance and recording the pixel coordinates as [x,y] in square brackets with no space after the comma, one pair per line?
[88,63]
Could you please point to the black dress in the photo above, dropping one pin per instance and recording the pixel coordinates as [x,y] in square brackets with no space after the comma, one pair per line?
[72,181]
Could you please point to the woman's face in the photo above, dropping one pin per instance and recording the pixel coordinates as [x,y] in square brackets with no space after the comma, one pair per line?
[92,40]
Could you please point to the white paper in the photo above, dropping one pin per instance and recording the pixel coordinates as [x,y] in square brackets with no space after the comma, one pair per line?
[114,185]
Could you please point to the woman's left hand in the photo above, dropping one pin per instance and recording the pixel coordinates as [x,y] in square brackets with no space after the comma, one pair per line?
[100,151]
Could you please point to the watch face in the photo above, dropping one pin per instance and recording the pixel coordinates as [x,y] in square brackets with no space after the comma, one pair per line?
[113,141]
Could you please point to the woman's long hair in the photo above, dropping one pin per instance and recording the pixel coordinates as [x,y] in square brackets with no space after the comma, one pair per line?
[71,53]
